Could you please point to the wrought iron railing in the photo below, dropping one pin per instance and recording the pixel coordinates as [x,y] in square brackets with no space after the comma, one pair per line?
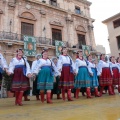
[19,37]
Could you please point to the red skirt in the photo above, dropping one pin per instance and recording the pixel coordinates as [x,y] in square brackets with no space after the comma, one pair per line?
[106,77]
[66,79]
[20,82]
[116,76]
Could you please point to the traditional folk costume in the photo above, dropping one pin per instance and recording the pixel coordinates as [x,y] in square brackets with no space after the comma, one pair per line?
[56,89]
[105,78]
[35,90]
[45,78]
[93,77]
[67,68]
[82,78]
[20,82]
[116,75]
[3,65]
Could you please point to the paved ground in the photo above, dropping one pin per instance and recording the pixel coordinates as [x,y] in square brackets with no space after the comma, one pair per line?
[104,108]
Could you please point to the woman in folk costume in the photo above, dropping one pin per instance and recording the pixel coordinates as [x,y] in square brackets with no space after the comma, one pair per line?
[45,78]
[115,72]
[3,65]
[93,75]
[20,69]
[82,78]
[56,90]
[35,90]
[67,68]
[105,74]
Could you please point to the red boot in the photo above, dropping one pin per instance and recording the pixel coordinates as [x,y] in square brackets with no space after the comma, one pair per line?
[63,94]
[37,97]
[118,89]
[58,96]
[51,95]
[101,91]
[96,92]
[26,98]
[69,95]
[49,98]
[42,97]
[77,93]
[20,98]
[113,90]
[16,97]
[88,93]
[110,90]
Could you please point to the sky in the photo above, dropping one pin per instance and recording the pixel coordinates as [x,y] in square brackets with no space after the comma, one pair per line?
[101,10]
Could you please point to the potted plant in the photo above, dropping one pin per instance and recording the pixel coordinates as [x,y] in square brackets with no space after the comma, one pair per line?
[7,84]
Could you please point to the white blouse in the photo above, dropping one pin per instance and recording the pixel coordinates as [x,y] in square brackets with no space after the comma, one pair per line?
[90,66]
[3,63]
[34,63]
[79,63]
[42,62]
[102,64]
[64,60]
[15,62]
[114,65]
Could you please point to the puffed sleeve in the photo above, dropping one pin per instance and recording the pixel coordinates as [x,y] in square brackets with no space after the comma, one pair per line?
[73,65]
[3,62]
[99,68]
[11,66]
[76,65]
[89,68]
[56,72]
[33,65]
[28,70]
[37,67]
[59,63]
[110,64]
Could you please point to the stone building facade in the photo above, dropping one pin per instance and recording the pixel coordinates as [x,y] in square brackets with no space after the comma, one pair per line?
[47,20]
[113,26]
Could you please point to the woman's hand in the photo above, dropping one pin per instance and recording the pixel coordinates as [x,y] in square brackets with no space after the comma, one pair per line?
[29,75]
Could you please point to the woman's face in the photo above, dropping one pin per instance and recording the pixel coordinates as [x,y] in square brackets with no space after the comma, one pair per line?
[119,60]
[45,54]
[103,57]
[90,57]
[113,59]
[64,51]
[80,54]
[20,53]
[55,61]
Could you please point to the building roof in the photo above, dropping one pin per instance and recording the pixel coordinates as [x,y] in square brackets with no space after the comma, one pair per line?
[110,18]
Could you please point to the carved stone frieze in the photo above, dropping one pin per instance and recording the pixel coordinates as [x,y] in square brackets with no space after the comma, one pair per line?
[56,22]
[1,12]
[80,28]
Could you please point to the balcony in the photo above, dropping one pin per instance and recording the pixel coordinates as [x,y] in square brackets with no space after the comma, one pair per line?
[19,37]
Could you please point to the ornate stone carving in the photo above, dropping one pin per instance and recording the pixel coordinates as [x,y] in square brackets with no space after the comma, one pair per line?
[28,6]
[27,15]
[42,12]
[11,4]
[1,12]
[80,28]
[56,22]
[69,18]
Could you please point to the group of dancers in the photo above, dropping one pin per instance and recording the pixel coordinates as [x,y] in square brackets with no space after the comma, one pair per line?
[61,75]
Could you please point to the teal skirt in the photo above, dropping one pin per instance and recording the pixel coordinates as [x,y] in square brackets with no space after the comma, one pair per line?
[94,79]
[45,79]
[83,78]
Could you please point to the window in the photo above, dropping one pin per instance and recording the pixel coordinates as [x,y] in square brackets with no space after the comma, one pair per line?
[77,10]
[56,34]
[53,2]
[118,41]
[81,40]
[27,29]
[116,23]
